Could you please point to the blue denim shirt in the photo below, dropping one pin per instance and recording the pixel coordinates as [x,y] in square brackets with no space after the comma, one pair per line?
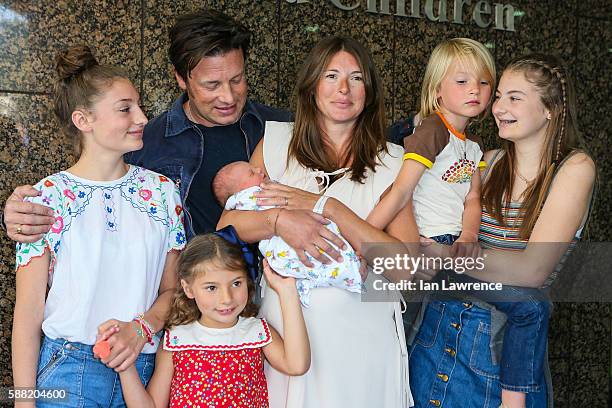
[174,146]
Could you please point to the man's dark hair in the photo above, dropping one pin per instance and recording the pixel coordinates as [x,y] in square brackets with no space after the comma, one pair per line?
[204,33]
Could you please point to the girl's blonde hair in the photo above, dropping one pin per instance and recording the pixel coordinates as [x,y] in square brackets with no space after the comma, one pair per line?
[471,54]
[550,78]
[203,253]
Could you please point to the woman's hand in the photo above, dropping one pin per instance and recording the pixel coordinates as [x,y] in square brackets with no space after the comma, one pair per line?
[305,231]
[125,343]
[302,229]
[282,196]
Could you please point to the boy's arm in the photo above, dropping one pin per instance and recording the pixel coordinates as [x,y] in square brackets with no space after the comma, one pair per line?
[157,393]
[290,355]
[400,194]
[472,210]
[464,245]
[31,289]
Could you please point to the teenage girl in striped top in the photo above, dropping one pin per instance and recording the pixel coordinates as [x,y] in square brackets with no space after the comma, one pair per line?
[536,196]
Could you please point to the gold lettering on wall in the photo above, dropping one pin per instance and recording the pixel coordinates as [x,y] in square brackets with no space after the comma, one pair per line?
[436,10]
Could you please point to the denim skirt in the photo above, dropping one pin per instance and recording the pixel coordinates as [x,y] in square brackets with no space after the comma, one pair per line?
[80,379]
[451,363]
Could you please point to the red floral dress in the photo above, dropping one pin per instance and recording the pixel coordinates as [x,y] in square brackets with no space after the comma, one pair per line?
[218,367]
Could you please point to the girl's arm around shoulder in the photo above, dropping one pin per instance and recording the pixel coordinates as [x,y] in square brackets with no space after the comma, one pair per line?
[290,355]
[157,393]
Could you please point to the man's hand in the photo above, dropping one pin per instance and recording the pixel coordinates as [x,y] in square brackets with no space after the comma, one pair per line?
[26,222]
[305,231]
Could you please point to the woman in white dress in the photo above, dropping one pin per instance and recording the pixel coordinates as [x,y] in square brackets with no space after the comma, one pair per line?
[335,148]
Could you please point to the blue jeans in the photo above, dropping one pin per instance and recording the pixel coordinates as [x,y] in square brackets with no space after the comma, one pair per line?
[524,348]
[88,382]
[450,360]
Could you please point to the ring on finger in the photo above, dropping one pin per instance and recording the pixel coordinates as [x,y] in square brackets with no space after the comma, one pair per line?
[286,201]
[321,251]
[18,229]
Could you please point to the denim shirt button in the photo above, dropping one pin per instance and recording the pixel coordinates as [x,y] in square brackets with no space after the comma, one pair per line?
[436,403]
[456,326]
[443,377]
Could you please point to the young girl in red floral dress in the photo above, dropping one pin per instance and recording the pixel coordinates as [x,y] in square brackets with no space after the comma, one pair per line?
[214,347]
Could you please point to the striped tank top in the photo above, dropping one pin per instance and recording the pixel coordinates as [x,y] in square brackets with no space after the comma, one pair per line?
[492,235]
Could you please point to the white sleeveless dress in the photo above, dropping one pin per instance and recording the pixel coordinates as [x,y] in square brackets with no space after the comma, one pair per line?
[359,357]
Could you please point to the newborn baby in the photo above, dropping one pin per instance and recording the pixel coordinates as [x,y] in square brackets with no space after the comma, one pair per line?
[234,187]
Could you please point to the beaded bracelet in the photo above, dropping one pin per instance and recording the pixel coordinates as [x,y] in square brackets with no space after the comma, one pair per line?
[145,330]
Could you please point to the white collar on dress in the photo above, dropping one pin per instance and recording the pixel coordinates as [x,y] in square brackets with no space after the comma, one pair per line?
[249,332]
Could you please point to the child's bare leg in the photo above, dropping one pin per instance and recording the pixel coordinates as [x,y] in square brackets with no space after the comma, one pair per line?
[513,399]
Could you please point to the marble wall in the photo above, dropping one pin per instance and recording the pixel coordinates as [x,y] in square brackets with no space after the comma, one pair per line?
[134,34]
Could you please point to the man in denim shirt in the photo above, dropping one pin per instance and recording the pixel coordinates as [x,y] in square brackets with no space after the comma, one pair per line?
[212,123]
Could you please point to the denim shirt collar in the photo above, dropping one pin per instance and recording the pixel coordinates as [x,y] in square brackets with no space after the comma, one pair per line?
[177,121]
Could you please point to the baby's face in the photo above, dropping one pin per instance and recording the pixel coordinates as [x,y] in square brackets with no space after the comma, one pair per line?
[248,176]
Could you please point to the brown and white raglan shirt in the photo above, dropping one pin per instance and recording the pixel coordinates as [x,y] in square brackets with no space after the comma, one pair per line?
[451,159]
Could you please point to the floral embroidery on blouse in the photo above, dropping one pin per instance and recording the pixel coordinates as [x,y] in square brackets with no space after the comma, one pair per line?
[151,193]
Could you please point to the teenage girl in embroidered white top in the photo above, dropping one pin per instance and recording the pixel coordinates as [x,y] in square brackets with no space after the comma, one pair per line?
[213,350]
[110,255]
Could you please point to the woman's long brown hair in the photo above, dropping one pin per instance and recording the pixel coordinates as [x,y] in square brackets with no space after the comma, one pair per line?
[309,144]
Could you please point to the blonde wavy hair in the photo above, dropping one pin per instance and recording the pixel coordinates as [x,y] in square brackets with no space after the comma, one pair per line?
[469,53]
[202,253]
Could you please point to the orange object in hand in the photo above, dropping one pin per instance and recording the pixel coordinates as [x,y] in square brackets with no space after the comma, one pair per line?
[102,349]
